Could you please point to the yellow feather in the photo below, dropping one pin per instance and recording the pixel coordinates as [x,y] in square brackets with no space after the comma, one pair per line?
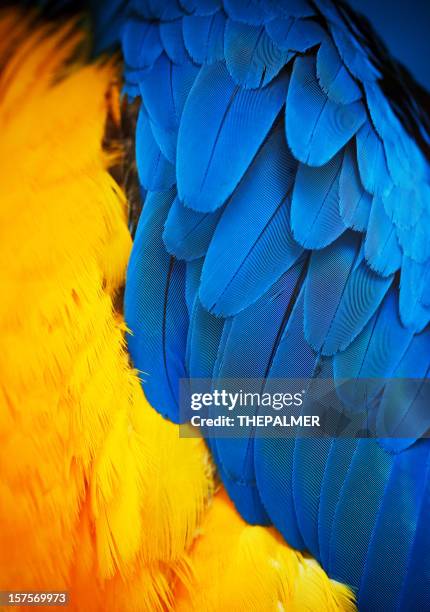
[80,448]
[98,495]
[242,567]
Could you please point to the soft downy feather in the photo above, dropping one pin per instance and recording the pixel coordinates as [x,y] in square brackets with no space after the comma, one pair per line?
[80,445]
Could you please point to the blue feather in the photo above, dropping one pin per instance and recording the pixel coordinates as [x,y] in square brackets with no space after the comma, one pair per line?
[252,245]
[404,160]
[203,341]
[371,161]
[162,10]
[172,84]
[415,593]
[381,246]
[414,280]
[315,217]
[329,273]
[187,233]
[155,309]
[356,511]
[201,7]
[354,201]
[221,350]
[166,141]
[387,558]
[269,311]
[294,358]
[414,241]
[363,295]
[292,8]
[107,19]
[341,295]
[403,413]
[250,12]
[425,293]
[236,458]
[245,212]
[309,461]
[328,9]
[279,30]
[173,41]
[273,468]
[245,496]
[156,173]
[293,343]
[374,354]
[352,54]
[295,35]
[336,470]
[403,206]
[237,455]
[333,77]
[317,128]
[141,44]
[252,58]
[220,134]
[193,273]
[204,37]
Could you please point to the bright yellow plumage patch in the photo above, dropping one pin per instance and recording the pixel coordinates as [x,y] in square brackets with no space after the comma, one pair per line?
[240,567]
[98,495]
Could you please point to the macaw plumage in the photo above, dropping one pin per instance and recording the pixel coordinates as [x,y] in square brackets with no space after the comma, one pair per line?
[285,234]
[283,166]
[98,494]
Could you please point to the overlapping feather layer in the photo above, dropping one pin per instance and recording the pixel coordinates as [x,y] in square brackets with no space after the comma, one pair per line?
[288,213]
[98,495]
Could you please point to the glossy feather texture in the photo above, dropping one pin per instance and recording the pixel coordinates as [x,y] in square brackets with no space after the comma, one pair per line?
[288,137]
